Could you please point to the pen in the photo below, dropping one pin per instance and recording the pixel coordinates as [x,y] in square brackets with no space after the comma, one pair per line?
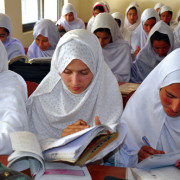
[145,139]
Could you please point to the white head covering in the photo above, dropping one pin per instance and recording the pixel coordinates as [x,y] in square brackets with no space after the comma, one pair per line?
[164,9]
[12,45]
[177,33]
[58,107]
[118,15]
[147,58]
[3,60]
[144,114]
[77,23]
[107,6]
[158,5]
[139,36]
[127,24]
[47,28]
[116,53]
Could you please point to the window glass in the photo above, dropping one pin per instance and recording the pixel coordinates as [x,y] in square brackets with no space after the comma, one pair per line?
[29,11]
[50,10]
[2,9]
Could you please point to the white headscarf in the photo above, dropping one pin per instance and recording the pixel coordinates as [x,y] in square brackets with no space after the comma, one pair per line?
[13,94]
[147,58]
[13,46]
[139,36]
[77,23]
[127,24]
[144,114]
[158,5]
[47,28]
[175,23]
[91,21]
[117,53]
[164,9]
[177,33]
[52,106]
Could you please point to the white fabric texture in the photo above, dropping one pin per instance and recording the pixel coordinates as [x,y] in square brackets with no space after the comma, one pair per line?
[158,5]
[147,58]
[77,23]
[52,107]
[127,24]
[164,9]
[13,46]
[144,114]
[139,36]
[13,95]
[177,34]
[117,53]
[91,21]
[46,28]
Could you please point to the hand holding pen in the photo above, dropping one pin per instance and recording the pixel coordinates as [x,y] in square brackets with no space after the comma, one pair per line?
[147,150]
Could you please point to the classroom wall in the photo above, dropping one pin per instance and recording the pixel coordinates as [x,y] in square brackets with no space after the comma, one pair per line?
[84,11]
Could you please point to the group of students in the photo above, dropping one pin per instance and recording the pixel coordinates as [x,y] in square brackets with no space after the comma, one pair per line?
[81,89]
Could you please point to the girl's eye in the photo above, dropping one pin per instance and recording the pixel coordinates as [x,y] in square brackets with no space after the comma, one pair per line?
[67,71]
[84,72]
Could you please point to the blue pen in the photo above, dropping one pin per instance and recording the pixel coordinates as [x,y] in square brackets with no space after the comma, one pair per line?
[145,139]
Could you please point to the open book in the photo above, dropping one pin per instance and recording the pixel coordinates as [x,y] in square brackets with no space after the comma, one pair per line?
[40,60]
[78,149]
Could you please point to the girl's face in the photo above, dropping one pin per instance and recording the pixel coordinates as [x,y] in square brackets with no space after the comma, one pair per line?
[42,42]
[77,76]
[96,12]
[3,34]
[132,16]
[104,38]
[161,47]
[170,99]
[69,17]
[166,17]
[148,25]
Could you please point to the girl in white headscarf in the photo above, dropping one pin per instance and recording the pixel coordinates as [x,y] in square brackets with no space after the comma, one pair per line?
[176,21]
[153,111]
[149,18]
[166,14]
[13,46]
[158,6]
[69,19]
[13,95]
[57,103]
[46,37]
[120,21]
[116,50]
[156,48]
[99,7]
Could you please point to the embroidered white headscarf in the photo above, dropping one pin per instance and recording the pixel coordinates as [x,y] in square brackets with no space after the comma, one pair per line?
[52,107]
[144,114]
[77,23]
[47,28]
[117,53]
[139,36]
[147,58]
[127,24]
[13,46]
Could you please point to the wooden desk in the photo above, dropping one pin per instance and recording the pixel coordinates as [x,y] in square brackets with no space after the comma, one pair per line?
[97,172]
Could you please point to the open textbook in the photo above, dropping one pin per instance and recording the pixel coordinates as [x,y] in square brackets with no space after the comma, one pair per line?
[77,149]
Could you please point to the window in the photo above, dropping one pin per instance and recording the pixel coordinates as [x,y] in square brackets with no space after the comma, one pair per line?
[2,9]
[33,10]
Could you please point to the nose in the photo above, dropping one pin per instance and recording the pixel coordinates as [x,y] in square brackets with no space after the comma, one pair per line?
[175,105]
[75,79]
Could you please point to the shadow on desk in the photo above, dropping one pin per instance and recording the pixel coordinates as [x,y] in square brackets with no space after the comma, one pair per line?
[97,172]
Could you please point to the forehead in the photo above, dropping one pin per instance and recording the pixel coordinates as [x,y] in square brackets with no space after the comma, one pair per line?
[69,14]
[2,30]
[174,88]
[166,13]
[102,34]
[77,64]
[161,43]
[150,21]
[132,11]
[41,37]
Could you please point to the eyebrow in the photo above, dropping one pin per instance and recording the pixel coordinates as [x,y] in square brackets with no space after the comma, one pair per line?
[170,93]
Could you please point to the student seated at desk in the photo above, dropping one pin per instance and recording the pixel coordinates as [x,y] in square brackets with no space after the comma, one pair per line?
[76,90]
[160,42]
[13,46]
[46,37]
[13,95]
[115,49]
[69,19]
[153,111]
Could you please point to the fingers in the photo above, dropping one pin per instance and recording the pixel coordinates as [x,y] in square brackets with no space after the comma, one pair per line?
[80,122]
[97,121]
[147,151]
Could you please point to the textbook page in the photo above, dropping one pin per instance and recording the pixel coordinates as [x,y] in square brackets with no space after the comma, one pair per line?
[165,173]
[59,170]
[40,60]
[159,160]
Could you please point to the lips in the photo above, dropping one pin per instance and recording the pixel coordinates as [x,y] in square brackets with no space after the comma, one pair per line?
[76,88]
